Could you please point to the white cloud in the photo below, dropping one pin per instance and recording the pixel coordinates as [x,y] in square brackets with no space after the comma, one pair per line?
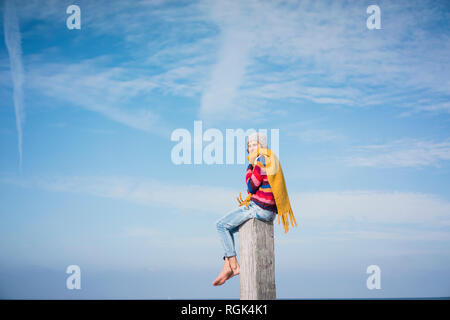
[313,130]
[159,238]
[96,86]
[357,207]
[240,54]
[99,89]
[425,105]
[13,44]
[330,224]
[318,135]
[396,235]
[198,198]
[328,44]
[227,75]
[406,152]
[361,206]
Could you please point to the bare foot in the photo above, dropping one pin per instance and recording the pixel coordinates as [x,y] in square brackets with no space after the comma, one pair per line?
[236,270]
[224,275]
[234,266]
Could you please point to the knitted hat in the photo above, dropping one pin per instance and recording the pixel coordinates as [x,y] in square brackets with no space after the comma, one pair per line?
[259,137]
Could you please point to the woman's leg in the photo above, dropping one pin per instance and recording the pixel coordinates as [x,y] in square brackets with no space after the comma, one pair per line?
[229,224]
[264,214]
[261,214]
[233,263]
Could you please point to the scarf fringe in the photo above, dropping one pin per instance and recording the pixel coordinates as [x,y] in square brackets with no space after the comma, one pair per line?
[285,219]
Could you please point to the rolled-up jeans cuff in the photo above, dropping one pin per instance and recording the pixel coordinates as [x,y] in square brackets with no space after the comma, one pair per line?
[229,255]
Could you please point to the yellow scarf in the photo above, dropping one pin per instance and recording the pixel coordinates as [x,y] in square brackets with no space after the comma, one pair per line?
[277,184]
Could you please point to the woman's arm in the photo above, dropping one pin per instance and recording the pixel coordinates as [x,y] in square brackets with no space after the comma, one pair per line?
[254,177]
[248,175]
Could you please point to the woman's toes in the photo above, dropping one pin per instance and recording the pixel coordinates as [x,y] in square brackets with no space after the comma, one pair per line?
[223,276]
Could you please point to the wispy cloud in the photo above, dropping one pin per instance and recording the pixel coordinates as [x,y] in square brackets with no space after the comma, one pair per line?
[362,207]
[159,62]
[14,46]
[159,238]
[327,221]
[406,152]
[314,130]
[96,88]
[319,46]
[227,75]
[318,135]
[397,234]
[240,56]
[427,105]
[143,191]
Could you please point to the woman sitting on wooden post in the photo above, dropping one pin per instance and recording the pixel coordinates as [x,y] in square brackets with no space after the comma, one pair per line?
[267,196]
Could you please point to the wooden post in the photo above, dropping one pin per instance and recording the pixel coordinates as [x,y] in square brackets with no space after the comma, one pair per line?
[257,260]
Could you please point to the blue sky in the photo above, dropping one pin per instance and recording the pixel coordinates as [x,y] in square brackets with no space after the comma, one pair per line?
[86,176]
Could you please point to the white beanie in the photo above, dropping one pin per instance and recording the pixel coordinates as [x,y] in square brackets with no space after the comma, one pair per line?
[259,137]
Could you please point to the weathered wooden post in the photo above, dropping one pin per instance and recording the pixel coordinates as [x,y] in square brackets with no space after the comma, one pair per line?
[256,248]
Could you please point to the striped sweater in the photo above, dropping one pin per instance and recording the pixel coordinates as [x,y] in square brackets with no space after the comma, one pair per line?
[258,185]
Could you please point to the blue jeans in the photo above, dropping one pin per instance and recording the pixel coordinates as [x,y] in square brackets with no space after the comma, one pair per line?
[229,224]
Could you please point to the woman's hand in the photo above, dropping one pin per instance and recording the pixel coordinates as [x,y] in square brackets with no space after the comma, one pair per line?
[253,156]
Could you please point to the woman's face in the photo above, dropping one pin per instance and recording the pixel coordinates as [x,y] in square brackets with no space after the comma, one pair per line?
[252,146]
